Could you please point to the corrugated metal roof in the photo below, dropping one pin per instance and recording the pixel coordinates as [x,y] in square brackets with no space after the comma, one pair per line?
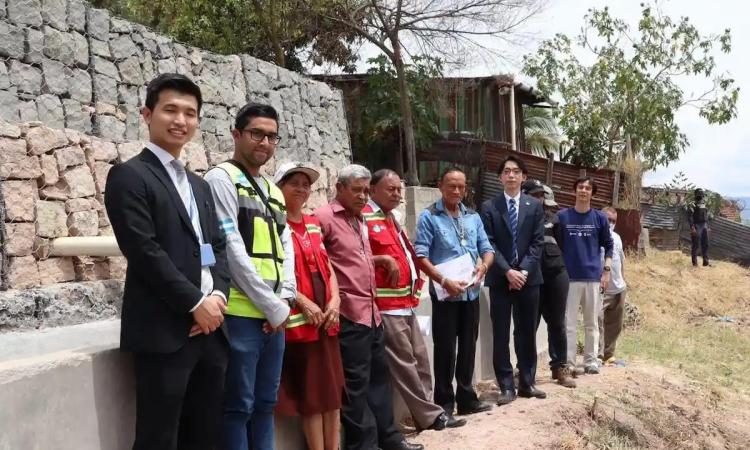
[660,216]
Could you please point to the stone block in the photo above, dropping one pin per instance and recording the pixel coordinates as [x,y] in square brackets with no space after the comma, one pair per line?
[50,174]
[127,150]
[51,219]
[9,130]
[50,110]
[81,204]
[26,12]
[117,267]
[26,78]
[20,239]
[54,12]
[80,182]
[9,105]
[110,127]
[79,86]
[4,77]
[34,46]
[103,150]
[101,170]
[58,191]
[130,71]
[27,111]
[122,46]
[105,88]
[70,157]
[77,116]
[105,67]
[60,46]
[11,41]
[11,150]
[23,272]
[80,49]
[41,248]
[43,139]
[98,24]
[20,197]
[128,95]
[83,223]
[77,15]
[15,164]
[194,156]
[55,77]
[100,48]
[56,270]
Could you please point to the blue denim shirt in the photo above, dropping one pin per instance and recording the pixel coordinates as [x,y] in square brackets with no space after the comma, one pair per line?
[438,241]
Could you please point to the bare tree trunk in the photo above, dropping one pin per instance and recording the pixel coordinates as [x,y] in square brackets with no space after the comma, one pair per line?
[411,176]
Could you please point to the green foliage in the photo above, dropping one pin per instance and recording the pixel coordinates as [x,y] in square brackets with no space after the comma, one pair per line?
[680,182]
[630,88]
[380,109]
[542,133]
[285,32]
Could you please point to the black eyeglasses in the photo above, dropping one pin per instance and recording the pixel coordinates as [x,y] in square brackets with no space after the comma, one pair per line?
[258,136]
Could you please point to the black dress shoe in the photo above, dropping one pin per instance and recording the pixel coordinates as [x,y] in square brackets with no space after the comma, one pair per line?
[444,421]
[474,407]
[506,396]
[453,422]
[530,392]
[403,445]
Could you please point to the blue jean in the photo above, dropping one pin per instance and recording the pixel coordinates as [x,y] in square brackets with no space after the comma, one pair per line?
[252,384]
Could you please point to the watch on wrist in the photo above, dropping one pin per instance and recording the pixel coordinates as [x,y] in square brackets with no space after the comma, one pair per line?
[525,273]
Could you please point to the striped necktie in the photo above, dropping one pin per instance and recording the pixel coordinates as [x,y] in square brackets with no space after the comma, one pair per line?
[513,215]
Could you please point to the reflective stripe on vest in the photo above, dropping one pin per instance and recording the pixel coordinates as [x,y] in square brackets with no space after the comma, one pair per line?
[260,231]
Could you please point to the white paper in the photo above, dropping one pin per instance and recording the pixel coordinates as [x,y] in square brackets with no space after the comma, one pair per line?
[457,269]
[425,324]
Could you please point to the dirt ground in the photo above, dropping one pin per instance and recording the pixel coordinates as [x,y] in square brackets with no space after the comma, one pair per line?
[622,408]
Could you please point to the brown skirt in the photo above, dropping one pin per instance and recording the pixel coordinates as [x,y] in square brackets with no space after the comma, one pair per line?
[312,377]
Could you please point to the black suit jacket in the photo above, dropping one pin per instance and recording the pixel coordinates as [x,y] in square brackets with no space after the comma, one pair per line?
[529,241]
[153,231]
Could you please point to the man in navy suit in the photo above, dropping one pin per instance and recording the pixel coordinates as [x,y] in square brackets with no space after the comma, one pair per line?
[515,226]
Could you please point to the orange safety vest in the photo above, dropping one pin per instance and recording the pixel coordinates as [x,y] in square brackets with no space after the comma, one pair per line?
[297,329]
[384,240]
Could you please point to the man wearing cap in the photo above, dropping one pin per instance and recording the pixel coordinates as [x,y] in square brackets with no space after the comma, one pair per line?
[554,290]
[252,214]
[515,227]
[398,290]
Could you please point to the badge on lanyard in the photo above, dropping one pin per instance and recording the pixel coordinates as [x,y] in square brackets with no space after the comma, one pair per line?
[207,255]
[464,243]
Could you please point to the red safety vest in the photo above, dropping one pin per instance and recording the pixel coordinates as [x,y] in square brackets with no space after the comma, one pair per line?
[384,240]
[297,329]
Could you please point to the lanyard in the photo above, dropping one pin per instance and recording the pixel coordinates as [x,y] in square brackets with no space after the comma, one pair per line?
[460,230]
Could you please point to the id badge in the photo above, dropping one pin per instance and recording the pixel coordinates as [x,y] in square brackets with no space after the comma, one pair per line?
[207,255]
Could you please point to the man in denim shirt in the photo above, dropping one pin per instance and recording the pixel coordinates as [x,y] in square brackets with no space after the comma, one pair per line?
[447,230]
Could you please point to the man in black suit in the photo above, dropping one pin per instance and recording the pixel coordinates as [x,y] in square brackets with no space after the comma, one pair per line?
[177,278]
[515,226]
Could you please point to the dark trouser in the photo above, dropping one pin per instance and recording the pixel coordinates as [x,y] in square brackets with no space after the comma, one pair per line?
[523,305]
[178,395]
[452,321]
[553,297]
[610,323]
[367,412]
[700,236]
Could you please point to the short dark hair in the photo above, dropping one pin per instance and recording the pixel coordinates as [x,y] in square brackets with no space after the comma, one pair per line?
[253,110]
[380,174]
[450,170]
[174,82]
[584,179]
[515,159]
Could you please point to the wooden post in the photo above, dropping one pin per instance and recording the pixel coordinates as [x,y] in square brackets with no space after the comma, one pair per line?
[550,169]
[616,189]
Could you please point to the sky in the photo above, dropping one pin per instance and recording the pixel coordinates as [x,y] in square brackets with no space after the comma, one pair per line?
[718,157]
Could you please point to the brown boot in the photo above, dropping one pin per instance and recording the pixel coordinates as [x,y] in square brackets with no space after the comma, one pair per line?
[562,375]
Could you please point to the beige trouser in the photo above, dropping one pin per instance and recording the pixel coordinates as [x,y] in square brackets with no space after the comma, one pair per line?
[610,323]
[410,367]
[584,294]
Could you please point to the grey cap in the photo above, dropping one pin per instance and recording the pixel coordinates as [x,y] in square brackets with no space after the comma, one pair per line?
[290,168]
[549,196]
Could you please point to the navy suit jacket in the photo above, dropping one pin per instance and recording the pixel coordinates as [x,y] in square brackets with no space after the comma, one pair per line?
[529,241]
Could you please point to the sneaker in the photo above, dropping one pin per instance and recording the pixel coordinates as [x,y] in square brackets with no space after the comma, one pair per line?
[563,377]
[591,369]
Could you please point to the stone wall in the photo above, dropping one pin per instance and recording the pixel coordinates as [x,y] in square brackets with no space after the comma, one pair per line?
[72,82]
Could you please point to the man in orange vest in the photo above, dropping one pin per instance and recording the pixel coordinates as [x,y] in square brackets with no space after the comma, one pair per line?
[398,288]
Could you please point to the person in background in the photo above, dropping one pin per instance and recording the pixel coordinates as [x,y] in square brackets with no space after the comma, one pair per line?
[312,377]
[446,230]
[583,231]
[367,411]
[261,260]
[613,298]
[514,223]
[553,293]
[699,217]
[398,289]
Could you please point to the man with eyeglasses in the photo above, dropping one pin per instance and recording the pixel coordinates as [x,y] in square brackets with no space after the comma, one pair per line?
[613,298]
[252,214]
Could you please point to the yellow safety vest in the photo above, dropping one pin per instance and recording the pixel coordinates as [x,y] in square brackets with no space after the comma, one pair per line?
[261,232]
